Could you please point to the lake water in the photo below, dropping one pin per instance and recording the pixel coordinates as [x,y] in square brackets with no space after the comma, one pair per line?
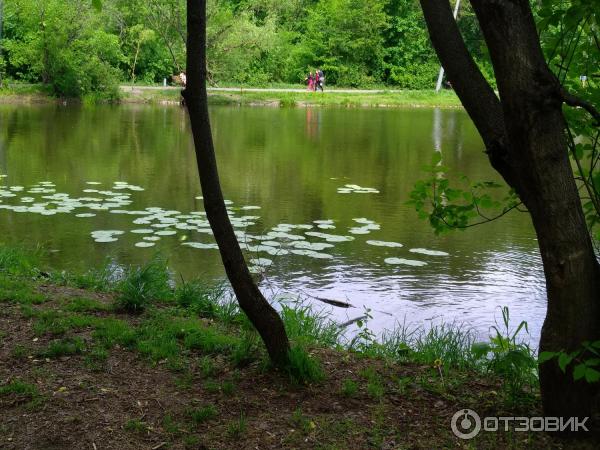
[286,172]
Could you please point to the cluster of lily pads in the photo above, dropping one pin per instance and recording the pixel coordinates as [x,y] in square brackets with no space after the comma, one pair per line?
[152,224]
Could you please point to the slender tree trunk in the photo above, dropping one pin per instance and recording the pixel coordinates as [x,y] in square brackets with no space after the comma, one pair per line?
[137,52]
[262,315]
[524,137]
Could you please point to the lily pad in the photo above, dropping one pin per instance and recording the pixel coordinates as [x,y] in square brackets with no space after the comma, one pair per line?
[145,244]
[424,251]
[405,262]
[385,244]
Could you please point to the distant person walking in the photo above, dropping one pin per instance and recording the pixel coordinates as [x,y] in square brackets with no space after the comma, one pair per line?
[183,79]
[310,82]
[320,80]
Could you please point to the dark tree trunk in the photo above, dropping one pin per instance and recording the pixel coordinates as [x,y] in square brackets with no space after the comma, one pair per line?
[529,142]
[262,315]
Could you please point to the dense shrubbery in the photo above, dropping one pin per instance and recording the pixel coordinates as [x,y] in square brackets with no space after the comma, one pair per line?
[81,51]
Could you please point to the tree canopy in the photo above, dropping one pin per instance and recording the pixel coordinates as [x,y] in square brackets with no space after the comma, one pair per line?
[79,48]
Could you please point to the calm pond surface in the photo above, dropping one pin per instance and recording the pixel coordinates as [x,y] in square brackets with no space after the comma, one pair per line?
[62,162]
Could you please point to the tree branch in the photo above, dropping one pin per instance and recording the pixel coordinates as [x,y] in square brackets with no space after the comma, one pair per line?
[575,101]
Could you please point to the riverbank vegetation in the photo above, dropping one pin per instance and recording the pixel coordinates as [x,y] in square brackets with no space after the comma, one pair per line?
[81,50]
[151,364]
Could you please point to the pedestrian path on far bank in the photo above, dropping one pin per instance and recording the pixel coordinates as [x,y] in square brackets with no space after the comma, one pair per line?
[130,88]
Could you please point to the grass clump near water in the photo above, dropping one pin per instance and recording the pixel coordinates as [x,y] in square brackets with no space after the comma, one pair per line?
[141,286]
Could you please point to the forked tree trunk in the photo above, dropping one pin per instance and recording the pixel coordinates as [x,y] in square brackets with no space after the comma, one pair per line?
[262,315]
[526,131]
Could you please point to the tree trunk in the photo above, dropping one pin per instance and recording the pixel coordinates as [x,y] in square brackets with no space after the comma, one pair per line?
[535,125]
[262,315]
[530,152]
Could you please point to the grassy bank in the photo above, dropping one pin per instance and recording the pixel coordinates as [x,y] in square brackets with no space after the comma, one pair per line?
[125,360]
[332,98]
[25,93]
[30,93]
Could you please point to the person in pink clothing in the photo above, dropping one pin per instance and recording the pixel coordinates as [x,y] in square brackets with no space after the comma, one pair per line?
[310,82]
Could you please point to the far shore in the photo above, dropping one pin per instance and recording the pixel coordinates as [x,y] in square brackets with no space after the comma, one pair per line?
[250,96]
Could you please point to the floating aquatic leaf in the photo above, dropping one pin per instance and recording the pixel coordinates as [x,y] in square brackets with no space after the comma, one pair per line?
[406,262]
[385,244]
[143,231]
[166,233]
[312,254]
[151,238]
[315,246]
[330,237]
[85,215]
[425,251]
[105,240]
[202,246]
[272,243]
[249,208]
[262,262]
[145,244]
[361,230]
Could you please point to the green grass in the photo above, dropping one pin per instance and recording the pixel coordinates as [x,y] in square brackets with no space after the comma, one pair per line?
[86,305]
[28,392]
[307,327]
[199,297]
[135,426]
[237,428]
[19,291]
[203,414]
[303,368]
[143,285]
[331,98]
[63,347]
[349,388]
[16,260]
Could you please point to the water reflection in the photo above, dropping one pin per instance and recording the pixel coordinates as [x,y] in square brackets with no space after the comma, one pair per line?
[291,163]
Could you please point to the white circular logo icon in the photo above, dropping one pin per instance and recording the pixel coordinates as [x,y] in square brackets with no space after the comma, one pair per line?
[466,424]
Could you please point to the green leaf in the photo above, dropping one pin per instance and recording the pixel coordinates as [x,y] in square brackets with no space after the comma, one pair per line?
[563,361]
[546,356]
[592,375]
[480,349]
[97,4]
[579,372]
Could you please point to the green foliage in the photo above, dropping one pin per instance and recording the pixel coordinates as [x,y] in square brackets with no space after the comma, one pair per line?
[63,347]
[307,327]
[448,208]
[84,50]
[23,391]
[135,426]
[143,285]
[303,368]
[509,358]
[349,388]
[246,350]
[17,261]
[203,414]
[199,297]
[585,361]
[236,429]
